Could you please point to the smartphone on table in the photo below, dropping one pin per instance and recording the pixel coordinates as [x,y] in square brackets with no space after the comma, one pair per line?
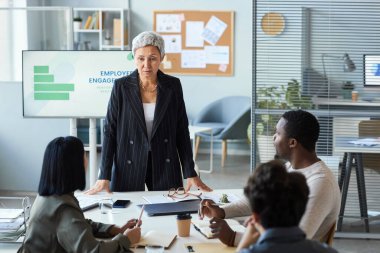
[121,203]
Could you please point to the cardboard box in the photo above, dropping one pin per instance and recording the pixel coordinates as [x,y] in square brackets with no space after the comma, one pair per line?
[117,33]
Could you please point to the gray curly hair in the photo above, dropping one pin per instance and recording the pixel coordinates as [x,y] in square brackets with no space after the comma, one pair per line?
[149,38]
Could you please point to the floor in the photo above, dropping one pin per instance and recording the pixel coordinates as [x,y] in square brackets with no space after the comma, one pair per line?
[234,175]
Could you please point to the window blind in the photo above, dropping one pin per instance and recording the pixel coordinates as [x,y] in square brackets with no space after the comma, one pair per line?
[311,55]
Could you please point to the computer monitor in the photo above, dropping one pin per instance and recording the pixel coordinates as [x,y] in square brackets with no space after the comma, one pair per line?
[371,67]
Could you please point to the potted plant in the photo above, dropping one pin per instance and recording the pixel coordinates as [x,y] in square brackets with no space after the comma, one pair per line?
[347,88]
[77,23]
[275,97]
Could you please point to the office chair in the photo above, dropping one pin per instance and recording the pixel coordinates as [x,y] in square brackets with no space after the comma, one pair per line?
[228,117]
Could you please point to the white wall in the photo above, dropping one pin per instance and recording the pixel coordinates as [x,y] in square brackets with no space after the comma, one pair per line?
[23,141]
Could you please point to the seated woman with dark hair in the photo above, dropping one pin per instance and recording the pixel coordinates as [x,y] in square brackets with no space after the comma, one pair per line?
[57,223]
[278,201]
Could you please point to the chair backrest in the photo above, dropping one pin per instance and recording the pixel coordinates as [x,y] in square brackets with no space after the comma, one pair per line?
[330,235]
[234,112]
[223,110]
[370,128]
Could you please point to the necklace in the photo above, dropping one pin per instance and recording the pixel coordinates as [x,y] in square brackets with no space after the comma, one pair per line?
[146,89]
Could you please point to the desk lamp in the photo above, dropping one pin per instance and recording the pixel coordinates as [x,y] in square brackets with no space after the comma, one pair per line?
[348,64]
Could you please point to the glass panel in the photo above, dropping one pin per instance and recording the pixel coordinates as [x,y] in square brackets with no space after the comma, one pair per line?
[33,28]
[313,55]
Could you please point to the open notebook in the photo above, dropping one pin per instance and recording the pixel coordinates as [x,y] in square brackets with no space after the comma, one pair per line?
[203,226]
[157,238]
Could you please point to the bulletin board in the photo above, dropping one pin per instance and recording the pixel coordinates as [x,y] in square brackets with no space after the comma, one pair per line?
[196,42]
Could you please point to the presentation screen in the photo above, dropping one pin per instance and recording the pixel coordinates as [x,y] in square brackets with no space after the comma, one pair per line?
[372,70]
[71,84]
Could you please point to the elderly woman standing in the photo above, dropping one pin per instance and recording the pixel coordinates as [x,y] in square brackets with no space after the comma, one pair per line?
[146,136]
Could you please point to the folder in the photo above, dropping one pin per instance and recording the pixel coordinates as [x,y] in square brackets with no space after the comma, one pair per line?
[171,208]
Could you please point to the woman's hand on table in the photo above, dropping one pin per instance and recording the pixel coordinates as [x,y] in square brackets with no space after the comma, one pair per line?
[196,182]
[100,185]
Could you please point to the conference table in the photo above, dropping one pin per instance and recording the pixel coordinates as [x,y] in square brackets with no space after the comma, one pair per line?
[120,216]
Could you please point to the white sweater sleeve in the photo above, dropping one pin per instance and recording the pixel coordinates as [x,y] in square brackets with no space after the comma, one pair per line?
[318,206]
[237,209]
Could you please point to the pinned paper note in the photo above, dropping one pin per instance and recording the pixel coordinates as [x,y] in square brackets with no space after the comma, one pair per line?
[193,59]
[214,30]
[194,31]
[168,23]
[217,54]
[167,64]
[173,43]
[222,67]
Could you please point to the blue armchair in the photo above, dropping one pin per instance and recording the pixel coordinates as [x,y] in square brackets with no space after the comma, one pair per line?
[228,117]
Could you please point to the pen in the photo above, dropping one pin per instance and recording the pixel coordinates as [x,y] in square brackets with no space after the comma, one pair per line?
[138,221]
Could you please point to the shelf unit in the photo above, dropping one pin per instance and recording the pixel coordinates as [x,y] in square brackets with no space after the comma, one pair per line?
[108,29]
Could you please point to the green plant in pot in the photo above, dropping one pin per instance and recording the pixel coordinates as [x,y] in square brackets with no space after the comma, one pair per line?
[279,97]
[77,22]
[347,88]
[275,97]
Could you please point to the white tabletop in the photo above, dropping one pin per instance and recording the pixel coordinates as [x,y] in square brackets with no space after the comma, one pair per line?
[122,215]
[344,102]
[343,145]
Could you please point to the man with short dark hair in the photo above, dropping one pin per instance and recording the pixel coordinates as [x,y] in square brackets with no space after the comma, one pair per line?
[278,201]
[295,139]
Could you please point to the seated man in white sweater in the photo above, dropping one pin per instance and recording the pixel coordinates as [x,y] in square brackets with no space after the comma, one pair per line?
[296,135]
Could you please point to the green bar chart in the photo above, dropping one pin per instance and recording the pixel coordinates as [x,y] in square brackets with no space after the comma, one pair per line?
[46,89]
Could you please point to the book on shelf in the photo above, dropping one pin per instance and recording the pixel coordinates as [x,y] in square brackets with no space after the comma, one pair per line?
[203,226]
[157,238]
[94,21]
[88,22]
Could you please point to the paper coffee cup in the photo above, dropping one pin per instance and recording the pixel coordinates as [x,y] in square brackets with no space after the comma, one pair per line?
[183,225]
[354,95]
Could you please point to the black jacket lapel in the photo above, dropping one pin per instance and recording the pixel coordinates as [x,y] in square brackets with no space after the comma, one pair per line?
[133,94]
[163,99]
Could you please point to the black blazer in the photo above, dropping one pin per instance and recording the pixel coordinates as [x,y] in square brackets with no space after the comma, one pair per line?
[126,145]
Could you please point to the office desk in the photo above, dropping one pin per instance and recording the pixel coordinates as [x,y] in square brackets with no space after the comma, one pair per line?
[345,103]
[122,215]
[353,152]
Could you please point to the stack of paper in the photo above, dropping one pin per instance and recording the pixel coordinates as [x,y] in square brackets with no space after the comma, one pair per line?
[12,224]
[369,142]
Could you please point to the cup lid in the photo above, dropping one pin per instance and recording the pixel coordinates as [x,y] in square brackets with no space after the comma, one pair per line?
[183,216]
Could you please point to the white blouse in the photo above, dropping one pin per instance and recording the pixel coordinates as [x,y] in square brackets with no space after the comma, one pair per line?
[149,117]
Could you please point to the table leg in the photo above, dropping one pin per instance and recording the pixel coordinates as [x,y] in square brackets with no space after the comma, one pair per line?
[362,190]
[346,181]
[343,171]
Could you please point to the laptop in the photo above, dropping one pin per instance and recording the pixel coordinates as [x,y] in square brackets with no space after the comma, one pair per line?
[181,207]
